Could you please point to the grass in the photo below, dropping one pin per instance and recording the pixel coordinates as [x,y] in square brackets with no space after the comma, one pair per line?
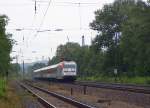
[8,95]
[136,80]
[125,80]
[2,87]
[11,99]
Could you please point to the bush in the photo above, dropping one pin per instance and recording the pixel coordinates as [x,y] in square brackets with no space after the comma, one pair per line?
[125,79]
[148,80]
[2,87]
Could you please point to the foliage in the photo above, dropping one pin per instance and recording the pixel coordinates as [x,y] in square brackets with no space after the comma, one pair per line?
[136,40]
[125,80]
[83,56]
[14,70]
[12,97]
[70,51]
[2,87]
[5,46]
[123,35]
[122,43]
[34,67]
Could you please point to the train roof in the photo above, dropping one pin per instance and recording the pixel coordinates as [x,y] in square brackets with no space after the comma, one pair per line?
[68,62]
[46,68]
[53,66]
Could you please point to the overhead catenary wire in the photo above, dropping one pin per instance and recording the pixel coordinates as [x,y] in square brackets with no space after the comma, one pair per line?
[67,3]
[82,3]
[41,2]
[34,18]
[48,30]
[15,4]
[54,4]
[32,24]
[43,18]
[71,4]
[42,21]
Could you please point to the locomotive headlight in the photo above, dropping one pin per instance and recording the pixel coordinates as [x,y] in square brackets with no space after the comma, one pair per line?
[72,69]
[65,69]
[69,69]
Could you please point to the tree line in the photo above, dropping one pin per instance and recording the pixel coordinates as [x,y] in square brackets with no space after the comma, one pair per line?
[122,42]
[5,46]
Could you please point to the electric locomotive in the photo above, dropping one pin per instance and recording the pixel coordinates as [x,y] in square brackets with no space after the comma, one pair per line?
[66,70]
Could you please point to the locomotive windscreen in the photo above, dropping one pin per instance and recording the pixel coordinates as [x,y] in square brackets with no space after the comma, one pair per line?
[69,66]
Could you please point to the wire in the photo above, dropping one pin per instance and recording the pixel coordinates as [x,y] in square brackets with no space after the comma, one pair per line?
[70,3]
[55,4]
[15,4]
[34,18]
[76,3]
[82,3]
[43,18]
[39,29]
[47,30]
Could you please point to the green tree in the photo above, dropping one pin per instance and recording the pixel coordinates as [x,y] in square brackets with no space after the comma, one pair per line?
[136,40]
[68,51]
[108,23]
[122,42]
[5,46]
[14,70]
[73,51]
[33,67]
[119,27]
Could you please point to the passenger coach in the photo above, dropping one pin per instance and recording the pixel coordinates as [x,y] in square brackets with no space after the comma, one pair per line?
[66,70]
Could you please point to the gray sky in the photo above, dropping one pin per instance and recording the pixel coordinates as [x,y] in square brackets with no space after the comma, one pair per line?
[73,18]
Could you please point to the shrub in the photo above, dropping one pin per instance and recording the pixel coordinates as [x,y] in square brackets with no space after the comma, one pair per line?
[2,87]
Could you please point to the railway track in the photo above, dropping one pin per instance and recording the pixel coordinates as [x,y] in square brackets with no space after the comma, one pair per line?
[53,100]
[145,89]
[99,97]
[123,87]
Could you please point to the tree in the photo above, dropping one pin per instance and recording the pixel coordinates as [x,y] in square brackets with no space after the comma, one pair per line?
[14,70]
[122,42]
[5,46]
[34,67]
[136,40]
[121,36]
[68,51]
[108,23]
[73,51]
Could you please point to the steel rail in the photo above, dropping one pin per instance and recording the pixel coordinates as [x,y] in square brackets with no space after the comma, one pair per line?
[45,103]
[145,89]
[64,98]
[123,87]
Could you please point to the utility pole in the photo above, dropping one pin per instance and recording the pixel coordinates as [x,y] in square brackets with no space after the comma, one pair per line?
[23,61]
[116,61]
[23,69]
[68,39]
[35,8]
[83,41]
[16,59]
[17,65]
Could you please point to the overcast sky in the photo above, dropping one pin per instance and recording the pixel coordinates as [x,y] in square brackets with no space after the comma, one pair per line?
[68,15]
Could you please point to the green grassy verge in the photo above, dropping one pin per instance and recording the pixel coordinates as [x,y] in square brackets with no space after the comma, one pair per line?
[10,97]
[127,80]
[2,87]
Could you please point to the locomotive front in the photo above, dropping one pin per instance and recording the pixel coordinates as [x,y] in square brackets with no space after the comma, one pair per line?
[69,70]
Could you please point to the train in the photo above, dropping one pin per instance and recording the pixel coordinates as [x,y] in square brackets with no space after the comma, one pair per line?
[65,70]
